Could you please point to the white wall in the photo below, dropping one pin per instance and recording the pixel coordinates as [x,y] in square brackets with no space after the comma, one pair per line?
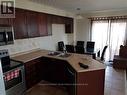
[82,31]
[47,42]
[83,25]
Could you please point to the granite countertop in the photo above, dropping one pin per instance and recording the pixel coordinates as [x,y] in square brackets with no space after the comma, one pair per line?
[73,60]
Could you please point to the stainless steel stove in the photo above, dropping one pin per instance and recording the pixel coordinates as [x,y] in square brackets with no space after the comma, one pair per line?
[13,74]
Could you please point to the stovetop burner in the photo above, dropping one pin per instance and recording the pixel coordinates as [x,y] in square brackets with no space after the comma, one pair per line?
[13,64]
[7,63]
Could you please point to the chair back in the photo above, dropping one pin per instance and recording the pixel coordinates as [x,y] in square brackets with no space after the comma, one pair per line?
[60,46]
[80,49]
[103,53]
[70,48]
[90,46]
[123,51]
[80,43]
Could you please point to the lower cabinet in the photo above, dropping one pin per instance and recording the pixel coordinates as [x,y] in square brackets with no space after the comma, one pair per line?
[55,71]
[32,72]
[60,72]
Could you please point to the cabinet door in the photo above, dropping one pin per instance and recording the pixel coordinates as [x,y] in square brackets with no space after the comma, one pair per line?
[42,24]
[58,19]
[19,23]
[32,72]
[69,25]
[49,24]
[54,70]
[32,24]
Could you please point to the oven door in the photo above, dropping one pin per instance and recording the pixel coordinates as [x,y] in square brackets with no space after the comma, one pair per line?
[3,39]
[15,81]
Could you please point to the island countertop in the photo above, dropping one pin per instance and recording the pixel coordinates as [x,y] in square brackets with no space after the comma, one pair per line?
[73,60]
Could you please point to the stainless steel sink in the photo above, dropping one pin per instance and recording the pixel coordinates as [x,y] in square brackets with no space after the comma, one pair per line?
[52,53]
[64,55]
[59,54]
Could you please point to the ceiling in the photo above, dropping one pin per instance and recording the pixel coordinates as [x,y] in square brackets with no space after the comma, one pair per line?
[87,6]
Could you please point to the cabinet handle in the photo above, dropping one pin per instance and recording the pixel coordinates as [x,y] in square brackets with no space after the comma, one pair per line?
[6,36]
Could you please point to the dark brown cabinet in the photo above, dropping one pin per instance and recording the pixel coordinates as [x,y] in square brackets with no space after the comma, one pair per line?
[42,19]
[32,72]
[69,25]
[19,24]
[29,24]
[49,24]
[58,19]
[64,20]
[55,70]
[59,72]
[32,24]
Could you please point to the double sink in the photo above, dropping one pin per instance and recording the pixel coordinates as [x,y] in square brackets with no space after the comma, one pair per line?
[59,54]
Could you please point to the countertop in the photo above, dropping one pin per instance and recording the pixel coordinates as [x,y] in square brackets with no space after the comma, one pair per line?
[73,60]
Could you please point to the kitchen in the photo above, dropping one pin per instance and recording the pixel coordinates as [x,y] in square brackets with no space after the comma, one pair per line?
[32,44]
[26,38]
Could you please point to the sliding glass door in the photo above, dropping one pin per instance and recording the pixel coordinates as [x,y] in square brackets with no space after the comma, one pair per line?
[111,33]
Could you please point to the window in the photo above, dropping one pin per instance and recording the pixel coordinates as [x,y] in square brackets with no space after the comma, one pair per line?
[111,33]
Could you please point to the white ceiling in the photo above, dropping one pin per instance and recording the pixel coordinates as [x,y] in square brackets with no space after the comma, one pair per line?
[86,6]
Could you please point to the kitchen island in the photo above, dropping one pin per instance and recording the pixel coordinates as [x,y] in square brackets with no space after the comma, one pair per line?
[40,65]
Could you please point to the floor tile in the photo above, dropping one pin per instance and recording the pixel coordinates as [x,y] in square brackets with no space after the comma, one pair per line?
[114,81]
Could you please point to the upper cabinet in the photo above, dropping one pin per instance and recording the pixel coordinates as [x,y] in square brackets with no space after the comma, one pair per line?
[64,20]
[29,24]
[19,24]
[32,24]
[58,19]
[49,24]
[69,25]
[42,19]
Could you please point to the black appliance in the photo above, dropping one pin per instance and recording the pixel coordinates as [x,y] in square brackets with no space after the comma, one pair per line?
[13,74]
[6,35]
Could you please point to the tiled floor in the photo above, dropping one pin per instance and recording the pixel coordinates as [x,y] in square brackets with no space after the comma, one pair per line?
[114,85]
[41,89]
[114,81]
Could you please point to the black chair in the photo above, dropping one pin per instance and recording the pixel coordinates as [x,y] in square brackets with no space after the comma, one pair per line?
[90,46]
[101,59]
[60,46]
[70,48]
[80,43]
[103,53]
[80,49]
